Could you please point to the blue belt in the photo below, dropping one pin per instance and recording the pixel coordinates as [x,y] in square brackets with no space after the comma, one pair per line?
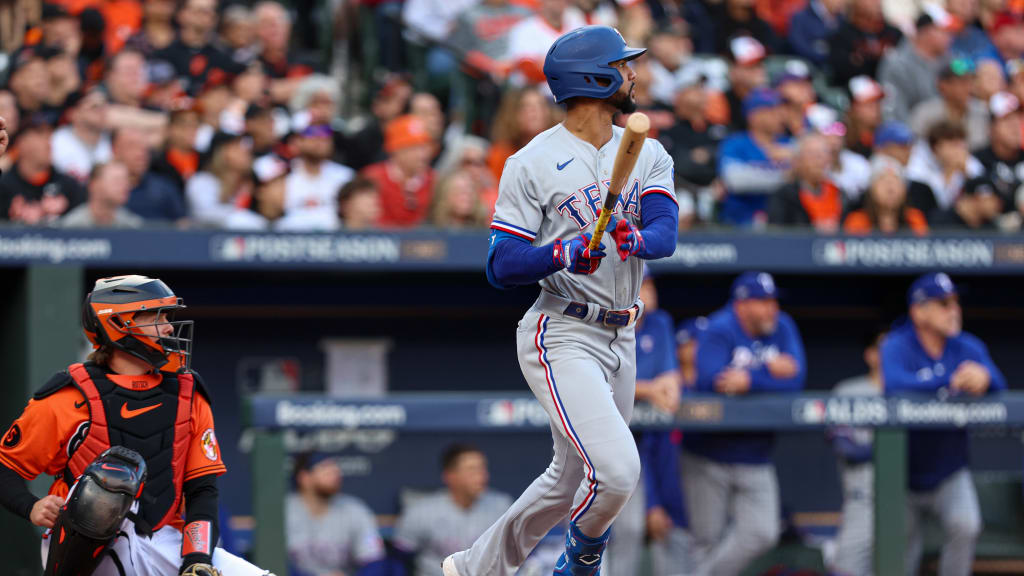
[606,317]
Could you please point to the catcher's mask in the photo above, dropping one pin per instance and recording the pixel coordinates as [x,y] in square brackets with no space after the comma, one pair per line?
[110,318]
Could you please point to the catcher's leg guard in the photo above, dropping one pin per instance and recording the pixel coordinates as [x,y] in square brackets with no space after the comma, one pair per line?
[89,520]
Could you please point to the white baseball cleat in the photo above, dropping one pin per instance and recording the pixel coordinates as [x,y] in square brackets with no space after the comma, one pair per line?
[448,566]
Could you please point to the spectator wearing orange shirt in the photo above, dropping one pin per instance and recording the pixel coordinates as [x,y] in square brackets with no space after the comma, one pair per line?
[405,180]
[885,208]
[812,199]
[523,114]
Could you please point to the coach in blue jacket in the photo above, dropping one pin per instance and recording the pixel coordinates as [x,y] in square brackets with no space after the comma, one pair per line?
[930,353]
[731,492]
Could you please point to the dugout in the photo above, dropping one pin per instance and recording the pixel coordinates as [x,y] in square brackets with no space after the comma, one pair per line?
[266,296]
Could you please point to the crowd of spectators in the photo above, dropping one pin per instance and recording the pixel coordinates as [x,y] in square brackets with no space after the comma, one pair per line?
[856,116]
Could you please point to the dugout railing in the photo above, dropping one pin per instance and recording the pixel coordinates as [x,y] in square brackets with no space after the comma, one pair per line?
[891,417]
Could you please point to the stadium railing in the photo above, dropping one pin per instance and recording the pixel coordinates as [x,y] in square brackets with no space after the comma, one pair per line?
[891,417]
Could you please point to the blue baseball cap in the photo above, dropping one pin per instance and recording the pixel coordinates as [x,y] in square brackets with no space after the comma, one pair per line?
[934,286]
[754,286]
[761,98]
[893,133]
[691,329]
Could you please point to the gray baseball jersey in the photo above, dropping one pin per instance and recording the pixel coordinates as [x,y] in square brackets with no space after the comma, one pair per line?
[343,539]
[435,526]
[549,190]
[582,373]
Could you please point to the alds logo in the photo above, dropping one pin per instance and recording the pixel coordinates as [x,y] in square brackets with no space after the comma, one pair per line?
[13,437]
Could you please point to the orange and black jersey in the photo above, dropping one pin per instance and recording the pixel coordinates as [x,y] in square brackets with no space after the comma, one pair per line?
[53,426]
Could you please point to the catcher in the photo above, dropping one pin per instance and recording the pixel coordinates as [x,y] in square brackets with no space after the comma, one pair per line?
[128,437]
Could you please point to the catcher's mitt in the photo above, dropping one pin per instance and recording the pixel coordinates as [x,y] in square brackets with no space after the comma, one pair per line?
[200,570]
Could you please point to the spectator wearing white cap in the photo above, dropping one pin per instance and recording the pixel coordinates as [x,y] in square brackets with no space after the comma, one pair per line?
[864,114]
[849,170]
[955,103]
[910,72]
[1003,158]
[746,73]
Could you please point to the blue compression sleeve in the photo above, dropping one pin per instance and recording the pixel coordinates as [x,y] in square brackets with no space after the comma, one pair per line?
[512,261]
[660,220]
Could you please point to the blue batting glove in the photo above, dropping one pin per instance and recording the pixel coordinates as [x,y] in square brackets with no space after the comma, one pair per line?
[576,256]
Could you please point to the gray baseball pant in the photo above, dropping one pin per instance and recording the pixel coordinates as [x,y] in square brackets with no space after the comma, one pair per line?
[734,513]
[584,375]
[955,503]
[855,542]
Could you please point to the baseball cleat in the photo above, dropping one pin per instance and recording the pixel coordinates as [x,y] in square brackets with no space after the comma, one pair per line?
[448,566]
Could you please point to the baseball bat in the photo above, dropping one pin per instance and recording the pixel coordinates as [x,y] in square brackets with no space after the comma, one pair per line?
[625,159]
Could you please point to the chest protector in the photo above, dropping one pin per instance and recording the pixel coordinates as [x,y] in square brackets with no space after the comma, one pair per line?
[156,423]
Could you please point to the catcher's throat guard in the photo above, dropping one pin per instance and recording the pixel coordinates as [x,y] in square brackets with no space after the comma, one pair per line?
[90,519]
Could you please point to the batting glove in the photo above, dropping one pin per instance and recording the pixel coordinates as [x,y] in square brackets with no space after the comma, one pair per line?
[628,239]
[576,256]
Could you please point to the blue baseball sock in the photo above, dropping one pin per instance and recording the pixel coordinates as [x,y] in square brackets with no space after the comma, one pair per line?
[582,556]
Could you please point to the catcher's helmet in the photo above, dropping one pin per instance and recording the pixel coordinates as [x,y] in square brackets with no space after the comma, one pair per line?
[108,318]
[579,58]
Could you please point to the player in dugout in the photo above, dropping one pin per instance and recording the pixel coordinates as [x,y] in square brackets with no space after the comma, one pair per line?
[129,438]
[930,352]
[750,347]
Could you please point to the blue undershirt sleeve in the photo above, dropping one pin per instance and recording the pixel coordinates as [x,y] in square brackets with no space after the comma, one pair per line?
[660,226]
[513,261]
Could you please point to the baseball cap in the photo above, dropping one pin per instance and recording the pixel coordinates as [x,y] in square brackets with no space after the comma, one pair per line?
[691,329]
[761,98]
[689,77]
[865,89]
[35,121]
[893,132]
[957,67]
[1002,20]
[746,50]
[824,120]
[754,286]
[317,131]
[405,131]
[269,167]
[54,12]
[1002,104]
[933,286]
[793,71]
[935,15]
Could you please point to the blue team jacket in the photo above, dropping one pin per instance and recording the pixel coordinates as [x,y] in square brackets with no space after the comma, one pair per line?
[659,455]
[725,345]
[933,455]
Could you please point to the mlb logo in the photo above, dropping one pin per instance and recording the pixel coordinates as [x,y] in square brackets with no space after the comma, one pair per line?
[811,412]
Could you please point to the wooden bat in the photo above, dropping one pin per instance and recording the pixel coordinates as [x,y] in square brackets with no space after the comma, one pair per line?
[625,159]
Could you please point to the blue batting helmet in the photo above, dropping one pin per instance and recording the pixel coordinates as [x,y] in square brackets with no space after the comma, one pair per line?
[577,60]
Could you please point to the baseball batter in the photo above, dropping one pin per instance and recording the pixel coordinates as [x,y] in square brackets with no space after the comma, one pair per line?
[576,344]
[129,438]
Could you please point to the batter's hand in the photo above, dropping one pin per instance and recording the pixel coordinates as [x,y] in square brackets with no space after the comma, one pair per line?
[4,138]
[576,256]
[970,377]
[659,523]
[732,381]
[783,367]
[628,239]
[45,510]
